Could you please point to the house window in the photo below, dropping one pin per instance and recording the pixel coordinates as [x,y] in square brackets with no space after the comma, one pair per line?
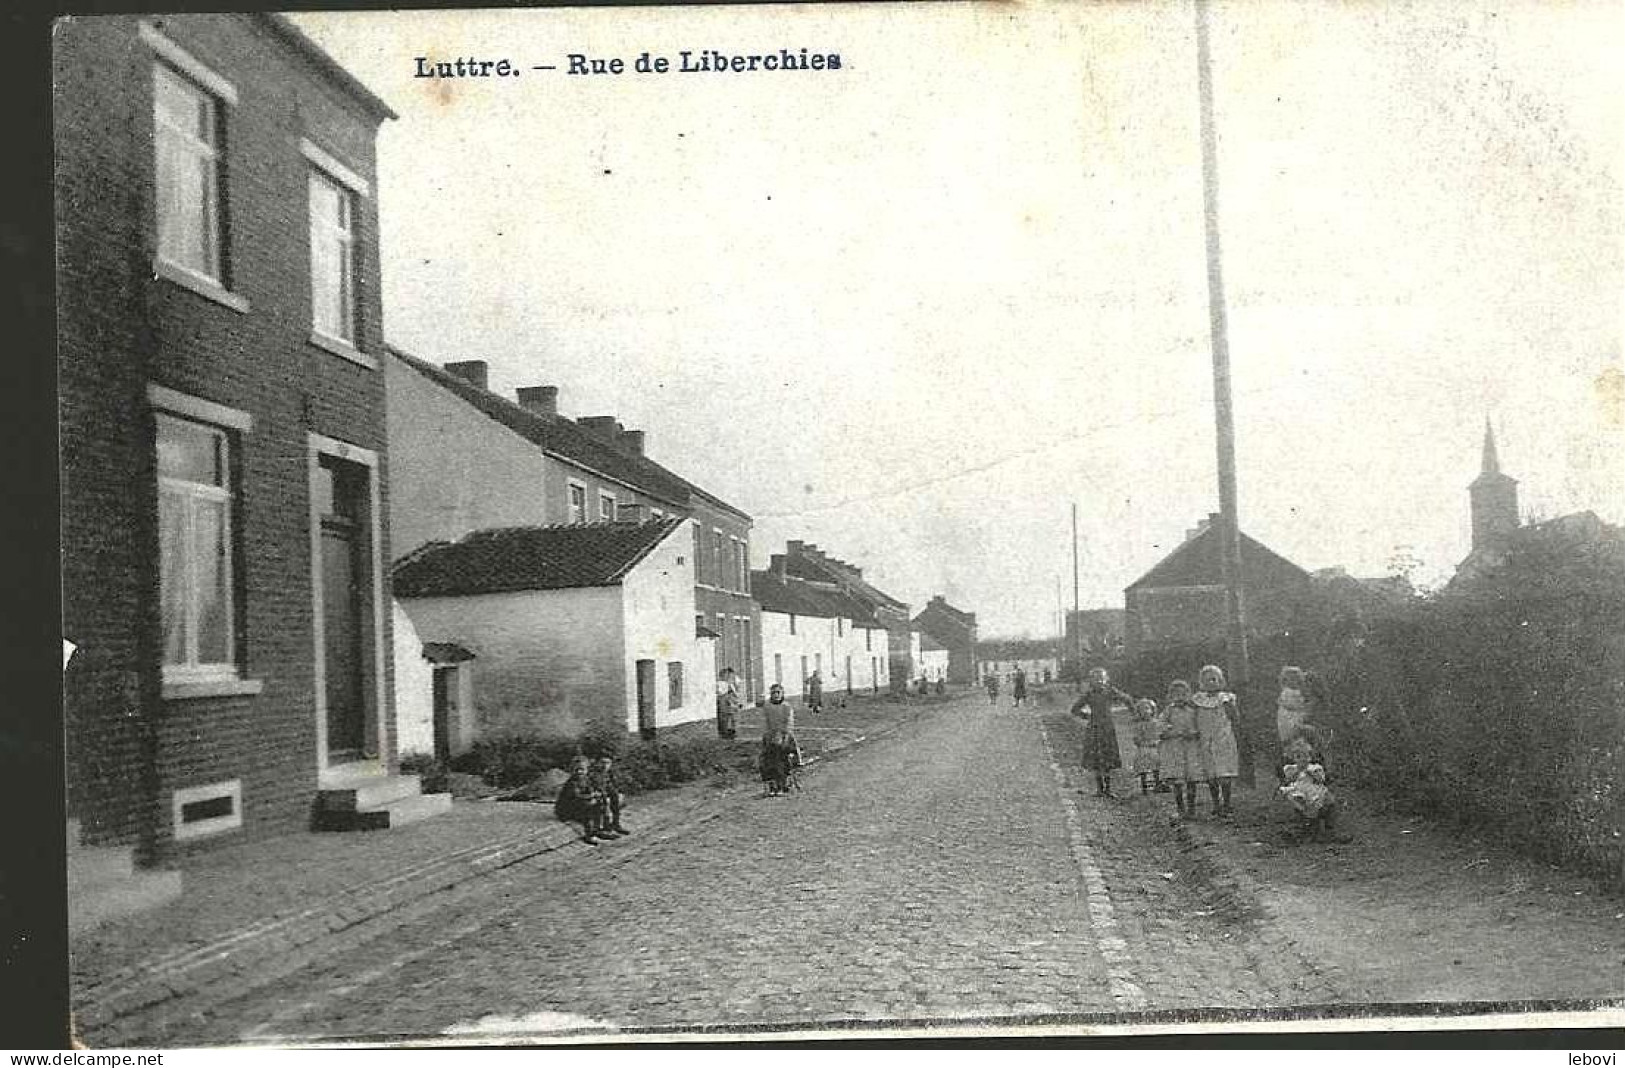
[778,669]
[868,640]
[578,503]
[840,626]
[699,622]
[606,506]
[699,555]
[818,663]
[674,676]
[203,810]
[721,569]
[196,548]
[792,622]
[187,139]
[332,258]
[657,513]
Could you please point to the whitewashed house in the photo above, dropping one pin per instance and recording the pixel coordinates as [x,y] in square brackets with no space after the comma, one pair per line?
[812,627]
[554,629]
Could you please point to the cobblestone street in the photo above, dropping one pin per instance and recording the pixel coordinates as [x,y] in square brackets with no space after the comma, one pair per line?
[949,871]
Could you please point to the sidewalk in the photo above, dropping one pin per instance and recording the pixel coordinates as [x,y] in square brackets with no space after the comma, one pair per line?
[245,909]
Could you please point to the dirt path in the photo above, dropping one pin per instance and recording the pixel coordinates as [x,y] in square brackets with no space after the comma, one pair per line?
[1417,914]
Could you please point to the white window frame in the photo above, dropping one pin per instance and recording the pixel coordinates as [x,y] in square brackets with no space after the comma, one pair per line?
[206,154]
[189,795]
[341,236]
[571,485]
[606,498]
[233,424]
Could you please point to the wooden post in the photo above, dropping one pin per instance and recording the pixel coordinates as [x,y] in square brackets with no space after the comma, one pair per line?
[1229,531]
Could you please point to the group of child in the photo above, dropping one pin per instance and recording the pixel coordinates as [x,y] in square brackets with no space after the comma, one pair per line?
[1191,740]
[591,797]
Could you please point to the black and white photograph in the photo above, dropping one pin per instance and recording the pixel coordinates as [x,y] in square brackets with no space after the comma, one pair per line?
[600,525]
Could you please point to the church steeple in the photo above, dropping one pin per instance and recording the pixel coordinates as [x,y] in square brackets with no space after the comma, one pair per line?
[1492,462]
[1494,498]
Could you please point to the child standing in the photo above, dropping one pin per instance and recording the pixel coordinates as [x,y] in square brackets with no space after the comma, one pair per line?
[1291,709]
[1178,753]
[1217,718]
[1100,752]
[604,781]
[1147,736]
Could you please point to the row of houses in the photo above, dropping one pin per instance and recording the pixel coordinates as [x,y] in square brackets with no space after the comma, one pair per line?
[295,555]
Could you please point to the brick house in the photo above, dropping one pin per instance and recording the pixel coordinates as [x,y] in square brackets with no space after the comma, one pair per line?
[575,626]
[1181,600]
[955,630]
[810,626]
[223,458]
[464,458]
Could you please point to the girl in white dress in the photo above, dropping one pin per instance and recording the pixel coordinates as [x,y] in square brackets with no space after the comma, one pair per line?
[1217,719]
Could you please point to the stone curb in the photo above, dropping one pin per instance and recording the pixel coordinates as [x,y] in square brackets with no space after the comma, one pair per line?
[239,961]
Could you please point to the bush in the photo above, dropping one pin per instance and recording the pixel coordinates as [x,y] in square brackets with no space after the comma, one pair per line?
[432,772]
[516,759]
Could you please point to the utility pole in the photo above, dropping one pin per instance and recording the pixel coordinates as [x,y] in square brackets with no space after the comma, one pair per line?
[1229,531]
[1077,643]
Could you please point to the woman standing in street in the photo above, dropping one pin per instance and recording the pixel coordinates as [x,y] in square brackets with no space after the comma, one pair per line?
[1100,752]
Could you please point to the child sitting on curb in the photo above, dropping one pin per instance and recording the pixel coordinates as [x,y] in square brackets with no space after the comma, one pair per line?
[604,781]
[580,802]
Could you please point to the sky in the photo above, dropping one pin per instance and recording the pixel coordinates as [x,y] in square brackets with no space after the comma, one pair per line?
[914,309]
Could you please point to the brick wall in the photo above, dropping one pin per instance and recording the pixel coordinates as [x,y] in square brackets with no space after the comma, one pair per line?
[120,329]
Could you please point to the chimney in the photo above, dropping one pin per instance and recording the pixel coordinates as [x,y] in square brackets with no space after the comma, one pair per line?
[632,441]
[776,565]
[795,547]
[476,372]
[603,427]
[540,400]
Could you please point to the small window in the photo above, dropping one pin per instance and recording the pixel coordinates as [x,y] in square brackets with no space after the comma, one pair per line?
[699,622]
[792,622]
[674,674]
[203,810]
[578,503]
[196,548]
[868,639]
[332,258]
[720,571]
[778,669]
[606,507]
[840,626]
[187,140]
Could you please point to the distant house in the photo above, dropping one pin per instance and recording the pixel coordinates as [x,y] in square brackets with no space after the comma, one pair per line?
[817,626]
[575,626]
[1096,632]
[806,561]
[1182,599]
[463,459]
[954,630]
[1004,656]
[934,659]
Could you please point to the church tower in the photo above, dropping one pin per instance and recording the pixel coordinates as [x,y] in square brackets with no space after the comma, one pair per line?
[1495,499]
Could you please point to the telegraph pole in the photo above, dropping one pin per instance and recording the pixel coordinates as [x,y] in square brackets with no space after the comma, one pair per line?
[1224,416]
[1077,643]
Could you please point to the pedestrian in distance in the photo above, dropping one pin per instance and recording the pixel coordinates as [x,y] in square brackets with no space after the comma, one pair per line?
[604,781]
[815,692]
[1217,720]
[942,686]
[780,756]
[992,684]
[728,703]
[1100,752]
[579,801]
[1019,688]
[1147,739]
[1179,752]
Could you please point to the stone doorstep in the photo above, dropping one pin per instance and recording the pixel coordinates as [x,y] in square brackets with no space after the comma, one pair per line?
[193,968]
